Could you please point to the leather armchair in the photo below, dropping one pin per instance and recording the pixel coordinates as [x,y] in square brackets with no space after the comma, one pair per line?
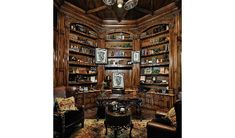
[161,129]
[65,123]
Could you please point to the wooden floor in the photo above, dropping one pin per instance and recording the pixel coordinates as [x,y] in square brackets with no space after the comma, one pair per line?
[91,113]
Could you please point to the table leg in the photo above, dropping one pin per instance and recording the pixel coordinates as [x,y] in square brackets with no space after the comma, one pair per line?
[130,130]
[106,129]
[115,133]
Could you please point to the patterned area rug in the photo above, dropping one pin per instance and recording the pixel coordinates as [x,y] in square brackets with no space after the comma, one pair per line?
[96,129]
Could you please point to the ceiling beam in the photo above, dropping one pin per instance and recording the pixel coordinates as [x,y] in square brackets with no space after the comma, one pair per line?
[116,16]
[143,10]
[94,4]
[114,13]
[124,14]
[152,7]
[97,9]
[86,8]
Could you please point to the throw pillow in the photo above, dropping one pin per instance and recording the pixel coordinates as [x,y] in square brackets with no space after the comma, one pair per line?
[65,104]
[171,116]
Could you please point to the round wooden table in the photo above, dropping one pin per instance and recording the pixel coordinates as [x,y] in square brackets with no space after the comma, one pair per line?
[117,121]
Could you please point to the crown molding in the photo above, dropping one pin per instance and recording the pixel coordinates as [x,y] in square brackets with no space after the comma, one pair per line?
[69,8]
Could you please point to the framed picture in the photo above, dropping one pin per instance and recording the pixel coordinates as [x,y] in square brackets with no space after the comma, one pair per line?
[142,79]
[118,80]
[135,55]
[100,56]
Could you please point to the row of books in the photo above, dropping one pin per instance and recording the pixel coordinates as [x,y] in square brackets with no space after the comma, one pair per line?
[82,59]
[82,79]
[82,49]
[82,40]
[155,70]
[156,29]
[82,70]
[123,45]
[153,60]
[81,28]
[119,53]
[119,36]
[156,50]
[155,40]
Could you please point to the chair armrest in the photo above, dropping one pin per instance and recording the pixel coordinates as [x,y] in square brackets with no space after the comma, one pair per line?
[74,112]
[160,114]
[159,126]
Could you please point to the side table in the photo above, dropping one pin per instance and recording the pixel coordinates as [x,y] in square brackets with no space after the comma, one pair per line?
[117,121]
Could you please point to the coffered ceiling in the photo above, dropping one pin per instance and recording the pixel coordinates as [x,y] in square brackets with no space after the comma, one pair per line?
[105,12]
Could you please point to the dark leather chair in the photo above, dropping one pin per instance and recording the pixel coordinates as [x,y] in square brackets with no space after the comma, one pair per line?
[65,124]
[157,129]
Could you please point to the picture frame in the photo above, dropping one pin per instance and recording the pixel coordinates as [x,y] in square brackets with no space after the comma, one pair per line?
[118,80]
[135,56]
[142,78]
[101,56]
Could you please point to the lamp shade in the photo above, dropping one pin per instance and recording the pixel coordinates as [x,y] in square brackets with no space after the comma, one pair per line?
[130,4]
[109,2]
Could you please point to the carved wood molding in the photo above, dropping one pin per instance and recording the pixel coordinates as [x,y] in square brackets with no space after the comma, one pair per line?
[72,19]
[142,10]
[157,14]
[165,19]
[77,15]
[151,24]
[97,9]
[69,20]
[74,14]
[116,23]
[58,3]
[119,30]
[74,11]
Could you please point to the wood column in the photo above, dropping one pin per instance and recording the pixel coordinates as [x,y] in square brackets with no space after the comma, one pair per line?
[136,66]
[178,77]
[100,68]
[60,57]
[175,54]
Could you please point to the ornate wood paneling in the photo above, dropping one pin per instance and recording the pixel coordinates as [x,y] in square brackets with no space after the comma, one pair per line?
[136,67]
[101,69]
[70,14]
[60,55]
[158,102]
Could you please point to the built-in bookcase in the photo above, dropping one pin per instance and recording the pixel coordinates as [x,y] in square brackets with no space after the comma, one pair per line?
[81,64]
[154,67]
[119,46]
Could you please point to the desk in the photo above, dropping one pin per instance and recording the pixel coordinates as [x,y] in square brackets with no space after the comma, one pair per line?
[117,121]
[127,91]
[126,99]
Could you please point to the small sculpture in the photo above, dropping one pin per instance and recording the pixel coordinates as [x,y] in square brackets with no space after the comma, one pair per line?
[107,82]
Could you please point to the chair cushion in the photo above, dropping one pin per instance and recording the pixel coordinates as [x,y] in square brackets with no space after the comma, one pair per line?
[171,116]
[66,104]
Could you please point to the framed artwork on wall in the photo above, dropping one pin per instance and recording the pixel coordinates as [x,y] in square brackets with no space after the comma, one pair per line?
[101,56]
[135,56]
[118,80]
